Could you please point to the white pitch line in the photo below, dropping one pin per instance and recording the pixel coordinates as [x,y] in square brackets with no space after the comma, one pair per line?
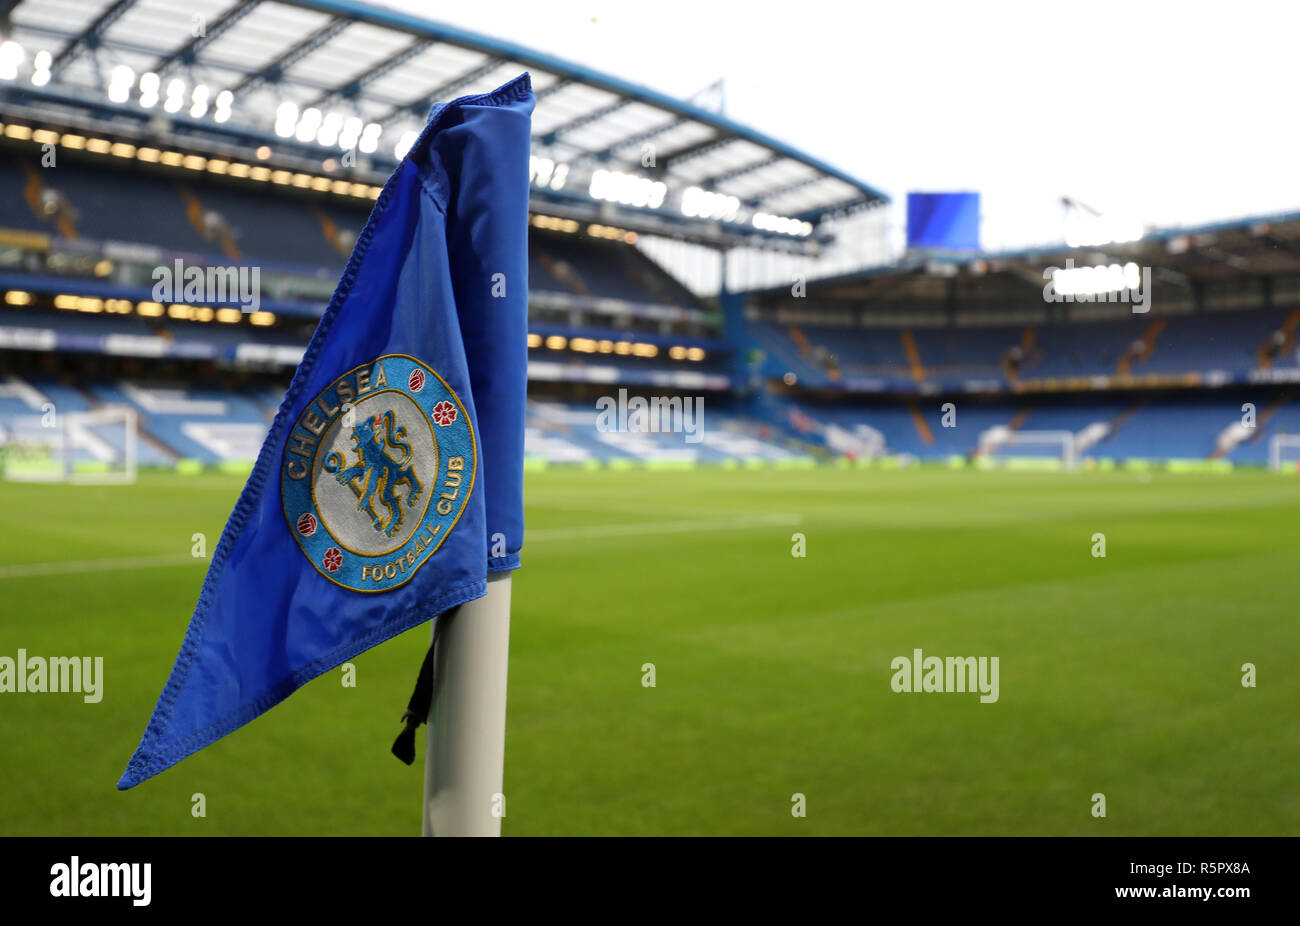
[586,532]
[27,570]
[592,531]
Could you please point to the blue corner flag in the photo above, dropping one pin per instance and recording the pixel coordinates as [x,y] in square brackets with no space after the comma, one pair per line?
[391,482]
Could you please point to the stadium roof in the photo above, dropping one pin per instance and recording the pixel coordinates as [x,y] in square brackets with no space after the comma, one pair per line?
[305,76]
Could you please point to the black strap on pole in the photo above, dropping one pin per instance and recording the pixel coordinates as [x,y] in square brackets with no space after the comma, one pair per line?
[417,709]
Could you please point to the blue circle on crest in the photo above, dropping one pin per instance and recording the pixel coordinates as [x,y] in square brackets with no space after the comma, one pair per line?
[376,472]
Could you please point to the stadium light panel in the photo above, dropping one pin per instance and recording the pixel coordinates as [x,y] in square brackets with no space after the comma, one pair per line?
[11,55]
[120,82]
[605,347]
[677,353]
[229,316]
[781,224]
[285,128]
[695,353]
[20,132]
[308,124]
[149,85]
[18,297]
[540,170]
[534,340]
[240,170]
[218,166]
[172,158]
[149,155]
[41,68]
[65,301]
[75,142]
[261,319]
[45,137]
[225,102]
[700,203]
[99,145]
[122,150]
[404,144]
[175,95]
[330,128]
[199,101]
[627,189]
[149,309]
[547,173]
[556,342]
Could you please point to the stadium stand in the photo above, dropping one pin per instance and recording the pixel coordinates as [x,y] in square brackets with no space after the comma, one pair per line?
[857,367]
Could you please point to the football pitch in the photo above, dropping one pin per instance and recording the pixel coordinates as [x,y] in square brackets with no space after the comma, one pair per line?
[1119,675]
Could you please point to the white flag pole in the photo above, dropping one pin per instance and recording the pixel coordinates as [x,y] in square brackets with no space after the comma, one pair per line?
[465,744]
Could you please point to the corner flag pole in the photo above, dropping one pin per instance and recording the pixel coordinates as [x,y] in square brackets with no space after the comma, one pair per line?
[465,744]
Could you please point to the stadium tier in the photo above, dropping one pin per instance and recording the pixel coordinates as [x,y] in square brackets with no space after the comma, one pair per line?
[1169,428]
[898,359]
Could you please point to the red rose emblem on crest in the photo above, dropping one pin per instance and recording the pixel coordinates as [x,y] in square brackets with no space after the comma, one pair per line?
[444,413]
[332,559]
[416,380]
[307,524]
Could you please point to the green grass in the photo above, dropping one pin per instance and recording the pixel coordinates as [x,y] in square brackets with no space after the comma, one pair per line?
[1118,675]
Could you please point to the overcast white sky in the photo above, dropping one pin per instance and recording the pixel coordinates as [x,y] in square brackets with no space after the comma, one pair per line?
[1170,113]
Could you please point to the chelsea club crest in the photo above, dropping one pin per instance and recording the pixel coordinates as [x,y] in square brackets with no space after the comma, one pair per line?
[377,470]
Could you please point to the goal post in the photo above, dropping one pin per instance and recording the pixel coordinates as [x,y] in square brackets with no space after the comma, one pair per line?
[1028,449]
[1279,460]
[97,446]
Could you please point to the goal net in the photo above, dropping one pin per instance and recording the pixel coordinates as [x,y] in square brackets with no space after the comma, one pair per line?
[1005,447]
[96,446]
[1284,453]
